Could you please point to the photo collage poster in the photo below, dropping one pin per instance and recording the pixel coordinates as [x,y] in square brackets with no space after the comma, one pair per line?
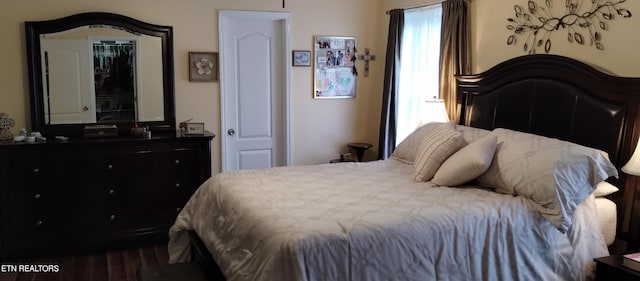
[333,67]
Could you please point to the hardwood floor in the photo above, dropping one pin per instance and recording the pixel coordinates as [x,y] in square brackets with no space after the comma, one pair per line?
[117,265]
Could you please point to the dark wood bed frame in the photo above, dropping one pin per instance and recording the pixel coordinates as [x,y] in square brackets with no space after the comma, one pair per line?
[567,99]
[552,96]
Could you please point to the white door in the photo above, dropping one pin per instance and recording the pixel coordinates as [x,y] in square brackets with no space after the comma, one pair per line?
[254,84]
[68,90]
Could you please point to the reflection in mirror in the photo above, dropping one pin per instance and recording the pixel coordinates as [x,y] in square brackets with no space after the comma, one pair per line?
[100,68]
[114,80]
[101,74]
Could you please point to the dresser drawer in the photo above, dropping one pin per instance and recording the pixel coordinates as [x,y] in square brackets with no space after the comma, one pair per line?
[93,194]
[34,222]
[31,189]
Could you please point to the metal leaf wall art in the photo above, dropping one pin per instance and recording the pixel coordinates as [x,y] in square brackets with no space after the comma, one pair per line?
[584,21]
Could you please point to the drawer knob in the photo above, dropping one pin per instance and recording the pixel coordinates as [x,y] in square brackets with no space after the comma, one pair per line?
[178,209]
[39,222]
[177,184]
[109,167]
[177,162]
[112,217]
[111,191]
[37,196]
[36,170]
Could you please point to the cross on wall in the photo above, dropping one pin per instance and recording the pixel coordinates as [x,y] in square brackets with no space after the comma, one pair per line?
[6,122]
[367,57]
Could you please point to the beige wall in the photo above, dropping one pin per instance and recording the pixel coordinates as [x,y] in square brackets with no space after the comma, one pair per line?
[489,21]
[320,128]
[489,35]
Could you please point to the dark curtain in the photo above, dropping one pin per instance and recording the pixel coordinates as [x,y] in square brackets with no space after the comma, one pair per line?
[455,57]
[390,90]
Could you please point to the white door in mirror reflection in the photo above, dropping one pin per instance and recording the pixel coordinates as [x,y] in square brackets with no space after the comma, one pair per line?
[67,97]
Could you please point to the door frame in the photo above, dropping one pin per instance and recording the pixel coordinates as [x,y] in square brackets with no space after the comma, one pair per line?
[285,17]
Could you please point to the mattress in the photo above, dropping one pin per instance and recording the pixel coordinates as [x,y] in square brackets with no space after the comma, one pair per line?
[371,221]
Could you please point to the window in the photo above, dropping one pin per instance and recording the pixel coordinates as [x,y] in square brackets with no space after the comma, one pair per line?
[419,66]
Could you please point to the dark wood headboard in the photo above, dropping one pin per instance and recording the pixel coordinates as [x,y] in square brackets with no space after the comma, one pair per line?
[563,98]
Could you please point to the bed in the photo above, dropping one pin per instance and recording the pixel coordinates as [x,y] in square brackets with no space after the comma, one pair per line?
[406,218]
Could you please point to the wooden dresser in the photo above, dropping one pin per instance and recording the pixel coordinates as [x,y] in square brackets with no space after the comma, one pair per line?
[91,194]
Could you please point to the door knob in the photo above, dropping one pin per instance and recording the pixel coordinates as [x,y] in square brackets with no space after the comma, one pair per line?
[231,132]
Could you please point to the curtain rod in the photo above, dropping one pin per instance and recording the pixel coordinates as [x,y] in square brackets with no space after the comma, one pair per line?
[419,6]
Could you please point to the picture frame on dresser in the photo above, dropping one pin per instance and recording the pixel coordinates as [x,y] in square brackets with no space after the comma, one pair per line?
[194,128]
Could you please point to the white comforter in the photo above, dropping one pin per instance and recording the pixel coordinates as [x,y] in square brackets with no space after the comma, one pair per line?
[371,221]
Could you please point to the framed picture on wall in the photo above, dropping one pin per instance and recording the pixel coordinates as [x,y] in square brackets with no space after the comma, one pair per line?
[301,58]
[334,59]
[203,66]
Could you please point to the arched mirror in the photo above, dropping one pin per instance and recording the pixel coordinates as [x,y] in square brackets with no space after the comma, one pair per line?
[100,68]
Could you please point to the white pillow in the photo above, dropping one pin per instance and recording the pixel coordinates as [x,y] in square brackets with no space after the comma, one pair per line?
[604,188]
[555,175]
[434,149]
[406,150]
[467,164]
[471,134]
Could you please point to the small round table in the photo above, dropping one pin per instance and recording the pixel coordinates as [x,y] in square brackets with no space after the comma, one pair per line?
[342,159]
[360,148]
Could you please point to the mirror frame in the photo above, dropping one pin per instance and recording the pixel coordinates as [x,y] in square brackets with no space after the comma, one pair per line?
[33,30]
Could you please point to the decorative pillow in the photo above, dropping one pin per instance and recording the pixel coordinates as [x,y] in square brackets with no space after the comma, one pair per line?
[434,149]
[471,134]
[555,175]
[604,188]
[406,150]
[467,164]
